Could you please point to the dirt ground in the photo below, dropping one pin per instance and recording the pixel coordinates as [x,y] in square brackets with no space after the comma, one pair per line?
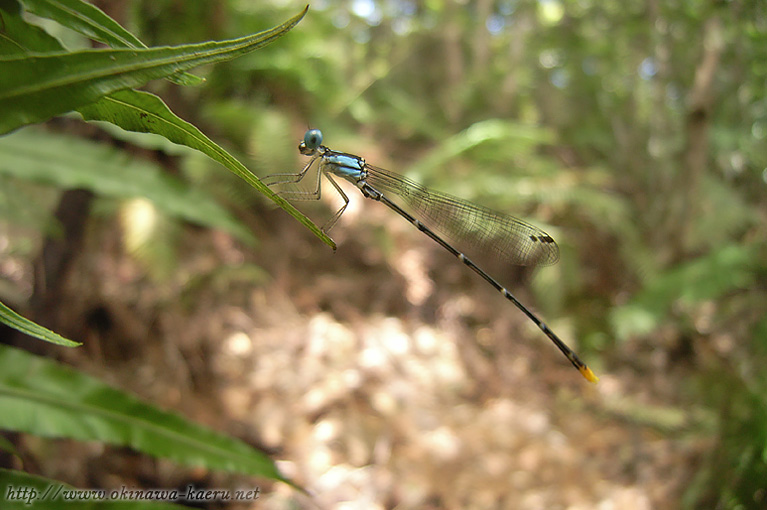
[385,375]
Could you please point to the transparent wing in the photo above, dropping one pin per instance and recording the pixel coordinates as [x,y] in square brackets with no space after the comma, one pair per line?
[486,231]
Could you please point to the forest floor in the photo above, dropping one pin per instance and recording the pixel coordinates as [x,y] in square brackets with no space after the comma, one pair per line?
[385,375]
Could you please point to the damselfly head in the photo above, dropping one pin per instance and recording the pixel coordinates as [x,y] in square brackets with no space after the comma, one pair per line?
[313,138]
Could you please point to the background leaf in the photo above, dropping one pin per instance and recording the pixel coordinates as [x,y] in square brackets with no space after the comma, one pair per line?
[40,397]
[68,162]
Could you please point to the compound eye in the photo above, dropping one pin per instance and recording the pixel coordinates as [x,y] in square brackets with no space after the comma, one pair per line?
[313,138]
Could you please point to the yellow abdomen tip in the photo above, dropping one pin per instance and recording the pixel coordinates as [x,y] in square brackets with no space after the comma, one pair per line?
[588,374]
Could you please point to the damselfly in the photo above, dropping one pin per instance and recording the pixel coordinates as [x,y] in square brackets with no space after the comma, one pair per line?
[510,239]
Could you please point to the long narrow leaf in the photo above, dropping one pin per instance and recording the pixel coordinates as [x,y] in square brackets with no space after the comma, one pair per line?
[143,112]
[16,321]
[36,87]
[85,18]
[19,37]
[92,22]
[146,113]
[41,397]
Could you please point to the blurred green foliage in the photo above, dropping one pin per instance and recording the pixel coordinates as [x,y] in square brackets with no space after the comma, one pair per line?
[637,129]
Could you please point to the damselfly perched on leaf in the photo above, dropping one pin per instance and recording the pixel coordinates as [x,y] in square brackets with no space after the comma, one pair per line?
[510,239]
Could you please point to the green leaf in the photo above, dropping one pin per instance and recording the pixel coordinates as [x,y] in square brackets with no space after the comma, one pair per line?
[477,134]
[91,21]
[19,37]
[70,162]
[708,277]
[146,113]
[41,397]
[36,87]
[39,492]
[85,18]
[16,321]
